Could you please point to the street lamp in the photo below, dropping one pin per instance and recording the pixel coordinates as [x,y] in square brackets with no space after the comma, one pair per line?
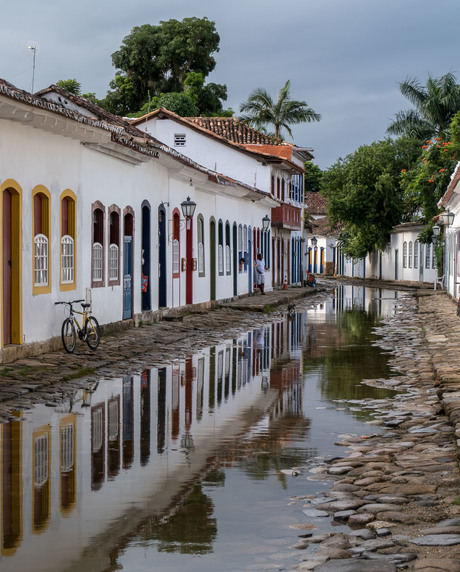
[188,208]
[436,230]
[447,217]
[265,222]
[314,241]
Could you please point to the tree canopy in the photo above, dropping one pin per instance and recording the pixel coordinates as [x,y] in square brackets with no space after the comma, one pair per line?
[155,60]
[365,198]
[261,111]
[434,107]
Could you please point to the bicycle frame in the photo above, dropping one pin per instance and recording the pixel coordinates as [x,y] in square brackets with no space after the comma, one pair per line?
[88,330]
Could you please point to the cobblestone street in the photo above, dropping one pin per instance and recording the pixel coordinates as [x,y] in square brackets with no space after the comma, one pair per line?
[398,491]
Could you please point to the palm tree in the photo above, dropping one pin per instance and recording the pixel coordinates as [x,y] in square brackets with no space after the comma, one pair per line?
[435,105]
[262,111]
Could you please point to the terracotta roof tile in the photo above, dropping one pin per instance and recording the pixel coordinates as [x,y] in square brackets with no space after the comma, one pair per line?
[236,131]
[316,203]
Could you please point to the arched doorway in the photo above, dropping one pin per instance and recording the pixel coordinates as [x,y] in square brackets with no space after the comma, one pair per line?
[212,256]
[128,266]
[146,296]
[11,264]
[162,276]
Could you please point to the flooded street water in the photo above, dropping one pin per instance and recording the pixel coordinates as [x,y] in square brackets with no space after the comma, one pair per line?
[194,465]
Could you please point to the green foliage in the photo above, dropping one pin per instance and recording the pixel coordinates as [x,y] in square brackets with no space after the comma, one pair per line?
[179,103]
[70,85]
[455,136]
[435,105]
[364,194]
[312,177]
[158,59]
[261,111]
[426,182]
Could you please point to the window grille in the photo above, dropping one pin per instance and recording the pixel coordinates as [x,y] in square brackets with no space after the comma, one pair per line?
[67,448]
[41,260]
[228,259]
[97,262]
[113,262]
[416,245]
[67,259]
[220,262]
[427,256]
[405,255]
[200,257]
[176,254]
[41,460]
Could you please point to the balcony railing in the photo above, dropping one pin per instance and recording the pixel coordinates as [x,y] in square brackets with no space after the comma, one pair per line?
[287,216]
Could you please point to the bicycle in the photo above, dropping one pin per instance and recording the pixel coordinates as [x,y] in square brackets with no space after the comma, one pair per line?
[89,331]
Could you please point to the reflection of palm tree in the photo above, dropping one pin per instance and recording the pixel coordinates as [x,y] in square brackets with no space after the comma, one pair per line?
[262,111]
[435,105]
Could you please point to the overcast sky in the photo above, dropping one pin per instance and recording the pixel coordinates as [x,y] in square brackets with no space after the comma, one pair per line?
[345,58]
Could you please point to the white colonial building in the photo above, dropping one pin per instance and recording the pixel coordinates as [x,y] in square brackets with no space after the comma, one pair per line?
[91,208]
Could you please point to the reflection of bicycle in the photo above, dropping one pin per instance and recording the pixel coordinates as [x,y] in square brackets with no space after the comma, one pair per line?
[89,331]
[458,306]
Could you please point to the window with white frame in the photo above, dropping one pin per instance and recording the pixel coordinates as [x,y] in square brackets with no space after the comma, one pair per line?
[41,260]
[68,239]
[41,456]
[97,262]
[416,249]
[67,259]
[405,255]
[67,448]
[428,256]
[113,261]
[228,258]
[410,254]
[176,256]
[433,256]
[200,222]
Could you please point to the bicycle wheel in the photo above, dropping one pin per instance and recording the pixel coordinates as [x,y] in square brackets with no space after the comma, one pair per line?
[68,335]
[92,331]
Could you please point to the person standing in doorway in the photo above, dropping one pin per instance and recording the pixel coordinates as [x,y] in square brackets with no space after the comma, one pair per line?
[260,272]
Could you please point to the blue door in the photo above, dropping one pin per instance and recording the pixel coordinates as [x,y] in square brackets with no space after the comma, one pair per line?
[128,278]
[249,260]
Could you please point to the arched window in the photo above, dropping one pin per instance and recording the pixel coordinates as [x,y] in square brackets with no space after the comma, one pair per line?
[220,251]
[68,240]
[41,232]
[228,257]
[114,245]
[405,255]
[410,254]
[97,264]
[200,231]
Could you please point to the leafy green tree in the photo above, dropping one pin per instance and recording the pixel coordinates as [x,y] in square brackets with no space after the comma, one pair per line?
[426,182]
[261,111]
[365,199]
[435,105]
[177,102]
[312,177]
[70,85]
[157,59]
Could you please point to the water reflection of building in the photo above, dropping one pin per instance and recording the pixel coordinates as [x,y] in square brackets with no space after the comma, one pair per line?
[92,460]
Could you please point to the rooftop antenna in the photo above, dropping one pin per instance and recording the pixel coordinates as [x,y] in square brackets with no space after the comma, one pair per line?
[34,48]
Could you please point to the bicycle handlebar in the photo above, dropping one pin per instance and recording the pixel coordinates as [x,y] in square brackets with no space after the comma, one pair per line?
[73,302]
